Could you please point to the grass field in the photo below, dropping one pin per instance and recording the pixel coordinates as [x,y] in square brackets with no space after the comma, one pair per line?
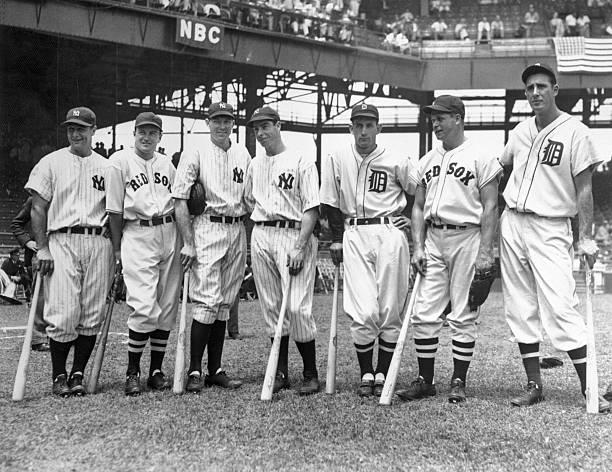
[221,430]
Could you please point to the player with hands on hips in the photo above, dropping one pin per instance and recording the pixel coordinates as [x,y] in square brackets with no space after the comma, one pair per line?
[363,190]
[146,246]
[551,157]
[454,221]
[215,240]
[282,190]
[68,217]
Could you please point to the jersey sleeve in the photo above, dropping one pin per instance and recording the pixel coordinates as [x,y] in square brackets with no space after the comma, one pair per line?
[186,174]
[330,181]
[309,184]
[404,175]
[507,156]
[584,154]
[488,168]
[416,175]
[115,185]
[41,180]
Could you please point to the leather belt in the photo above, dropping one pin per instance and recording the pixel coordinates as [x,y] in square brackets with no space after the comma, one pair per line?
[280,224]
[226,219]
[433,225]
[158,220]
[383,220]
[80,230]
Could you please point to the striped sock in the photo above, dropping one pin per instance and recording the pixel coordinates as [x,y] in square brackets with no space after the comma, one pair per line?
[385,354]
[462,356]
[530,353]
[159,340]
[136,344]
[426,349]
[579,359]
[364,357]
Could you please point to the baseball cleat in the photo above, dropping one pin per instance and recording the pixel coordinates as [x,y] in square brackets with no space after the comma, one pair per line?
[60,386]
[40,347]
[457,391]
[132,384]
[194,382]
[532,395]
[418,389]
[157,381]
[280,382]
[550,362]
[379,383]
[310,385]
[221,379]
[366,387]
[608,394]
[75,383]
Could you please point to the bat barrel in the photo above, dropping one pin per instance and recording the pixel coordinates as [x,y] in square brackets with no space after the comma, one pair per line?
[179,365]
[330,381]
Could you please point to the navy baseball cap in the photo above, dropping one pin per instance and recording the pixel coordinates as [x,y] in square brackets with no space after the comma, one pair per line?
[80,116]
[148,118]
[538,68]
[262,114]
[446,104]
[15,250]
[364,110]
[220,109]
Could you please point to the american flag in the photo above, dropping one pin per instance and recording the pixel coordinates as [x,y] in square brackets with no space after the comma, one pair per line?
[578,54]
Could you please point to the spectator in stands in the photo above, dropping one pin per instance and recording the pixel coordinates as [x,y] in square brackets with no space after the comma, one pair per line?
[396,41]
[484,31]
[602,236]
[583,25]
[556,25]
[438,29]
[497,28]
[461,31]
[532,18]
[345,35]
[370,12]
[353,9]
[570,25]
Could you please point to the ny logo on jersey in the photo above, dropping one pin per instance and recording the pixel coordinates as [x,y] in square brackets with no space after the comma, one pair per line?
[98,182]
[378,181]
[552,153]
[238,175]
[285,181]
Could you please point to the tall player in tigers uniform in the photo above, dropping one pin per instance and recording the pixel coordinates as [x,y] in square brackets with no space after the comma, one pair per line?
[68,215]
[146,243]
[454,222]
[215,242]
[553,156]
[282,189]
[364,188]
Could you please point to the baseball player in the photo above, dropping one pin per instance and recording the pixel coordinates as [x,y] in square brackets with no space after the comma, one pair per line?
[454,222]
[364,189]
[68,215]
[553,157]
[282,191]
[13,273]
[215,242]
[22,231]
[146,245]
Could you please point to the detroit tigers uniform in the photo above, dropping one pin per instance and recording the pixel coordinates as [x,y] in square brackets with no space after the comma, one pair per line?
[75,292]
[370,191]
[536,237]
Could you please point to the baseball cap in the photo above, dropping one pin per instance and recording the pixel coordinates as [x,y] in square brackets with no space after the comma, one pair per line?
[263,113]
[220,109]
[538,68]
[446,104]
[80,116]
[364,109]
[15,250]
[148,118]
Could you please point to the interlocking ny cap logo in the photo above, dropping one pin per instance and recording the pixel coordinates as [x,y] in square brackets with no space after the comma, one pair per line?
[76,112]
[364,106]
[256,111]
[222,105]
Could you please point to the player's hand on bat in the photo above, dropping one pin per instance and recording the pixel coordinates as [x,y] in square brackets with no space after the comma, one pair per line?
[188,256]
[588,249]
[419,260]
[484,262]
[295,260]
[31,245]
[45,261]
[336,253]
[401,222]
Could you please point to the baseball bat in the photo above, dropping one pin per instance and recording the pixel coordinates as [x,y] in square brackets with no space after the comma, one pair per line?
[179,363]
[96,366]
[389,387]
[330,382]
[592,381]
[24,359]
[268,385]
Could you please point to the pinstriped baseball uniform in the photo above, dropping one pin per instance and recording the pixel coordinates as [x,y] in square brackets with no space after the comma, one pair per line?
[283,187]
[220,247]
[536,237]
[75,292]
[452,181]
[141,190]
[377,256]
